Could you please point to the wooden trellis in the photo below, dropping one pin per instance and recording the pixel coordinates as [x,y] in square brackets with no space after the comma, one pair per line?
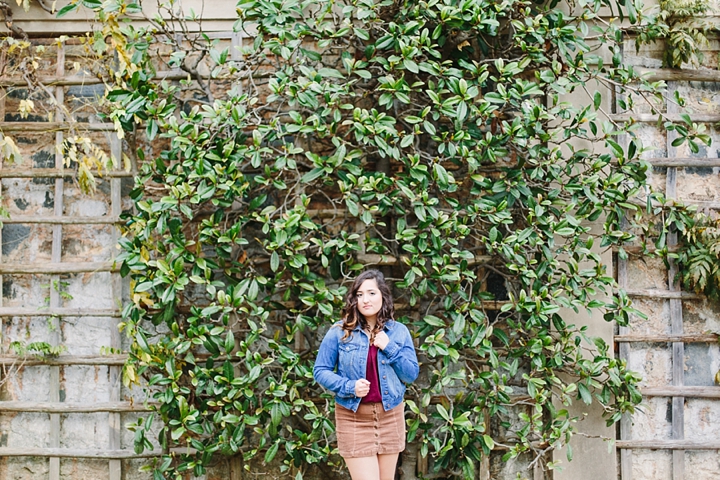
[678,391]
[55,312]
[114,452]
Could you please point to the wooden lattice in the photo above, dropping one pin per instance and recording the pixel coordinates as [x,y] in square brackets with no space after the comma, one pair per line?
[55,311]
[677,391]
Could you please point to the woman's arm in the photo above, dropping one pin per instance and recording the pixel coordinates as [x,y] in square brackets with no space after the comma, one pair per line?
[326,363]
[400,352]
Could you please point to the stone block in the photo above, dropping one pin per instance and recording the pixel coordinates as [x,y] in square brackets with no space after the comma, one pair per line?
[702,420]
[653,420]
[651,465]
[653,361]
[702,465]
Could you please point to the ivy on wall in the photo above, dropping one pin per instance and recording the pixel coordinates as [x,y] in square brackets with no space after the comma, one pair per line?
[683,28]
[440,134]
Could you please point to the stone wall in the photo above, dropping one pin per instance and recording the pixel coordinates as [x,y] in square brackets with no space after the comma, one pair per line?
[680,412]
[77,309]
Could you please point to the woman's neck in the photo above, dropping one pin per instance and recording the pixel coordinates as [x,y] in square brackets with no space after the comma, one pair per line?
[371,323]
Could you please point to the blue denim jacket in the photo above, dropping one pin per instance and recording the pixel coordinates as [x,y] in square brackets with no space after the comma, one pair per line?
[341,363]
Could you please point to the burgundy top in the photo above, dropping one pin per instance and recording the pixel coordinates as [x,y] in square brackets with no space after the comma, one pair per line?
[372,376]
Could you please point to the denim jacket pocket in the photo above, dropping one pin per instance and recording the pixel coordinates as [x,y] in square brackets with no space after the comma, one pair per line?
[347,356]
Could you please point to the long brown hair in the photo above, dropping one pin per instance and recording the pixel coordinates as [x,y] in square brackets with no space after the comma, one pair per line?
[352,316]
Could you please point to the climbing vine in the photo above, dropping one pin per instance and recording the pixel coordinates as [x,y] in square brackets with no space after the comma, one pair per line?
[683,28]
[433,138]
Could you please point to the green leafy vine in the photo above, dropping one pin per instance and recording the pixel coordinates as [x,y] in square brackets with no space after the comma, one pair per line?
[434,138]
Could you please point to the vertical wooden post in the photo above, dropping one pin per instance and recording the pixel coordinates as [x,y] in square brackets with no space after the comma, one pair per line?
[236,43]
[538,472]
[3,93]
[484,464]
[676,319]
[115,372]
[236,467]
[624,348]
[54,371]
[624,352]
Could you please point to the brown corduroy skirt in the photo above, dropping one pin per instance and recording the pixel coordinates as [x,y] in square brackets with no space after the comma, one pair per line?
[370,431]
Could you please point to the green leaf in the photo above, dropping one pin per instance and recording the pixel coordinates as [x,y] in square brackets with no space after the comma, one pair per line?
[271,452]
[274,261]
[67,9]
[443,413]
[229,342]
[142,342]
[441,175]
[411,65]
[313,174]
[433,320]
[584,393]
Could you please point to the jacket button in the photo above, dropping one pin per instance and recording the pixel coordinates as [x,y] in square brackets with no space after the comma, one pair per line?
[386,392]
[384,376]
[383,362]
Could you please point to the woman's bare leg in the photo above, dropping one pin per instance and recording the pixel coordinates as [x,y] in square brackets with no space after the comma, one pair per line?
[364,468]
[388,465]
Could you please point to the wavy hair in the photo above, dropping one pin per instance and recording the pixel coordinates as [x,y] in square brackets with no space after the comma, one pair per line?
[352,316]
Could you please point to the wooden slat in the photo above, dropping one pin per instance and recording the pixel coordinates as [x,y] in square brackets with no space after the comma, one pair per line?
[638,250]
[46,127]
[650,338]
[676,313]
[3,96]
[52,268]
[115,372]
[377,259]
[75,453]
[52,81]
[57,312]
[62,407]
[701,204]
[55,301]
[626,419]
[65,360]
[666,294]
[51,220]
[679,74]
[683,162]
[625,427]
[642,202]
[682,392]
[54,173]
[327,213]
[674,117]
[667,445]
[80,80]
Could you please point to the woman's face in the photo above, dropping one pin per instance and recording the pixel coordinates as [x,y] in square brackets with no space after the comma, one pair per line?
[369,299]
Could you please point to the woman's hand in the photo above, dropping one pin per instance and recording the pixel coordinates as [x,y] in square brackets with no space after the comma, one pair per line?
[381,340]
[362,388]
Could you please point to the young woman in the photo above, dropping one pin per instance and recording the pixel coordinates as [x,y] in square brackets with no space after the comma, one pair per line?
[366,360]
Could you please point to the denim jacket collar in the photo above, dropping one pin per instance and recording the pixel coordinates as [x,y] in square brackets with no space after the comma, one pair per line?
[388,326]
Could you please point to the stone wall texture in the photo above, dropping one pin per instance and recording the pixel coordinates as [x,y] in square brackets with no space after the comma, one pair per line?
[31,244]
[699,361]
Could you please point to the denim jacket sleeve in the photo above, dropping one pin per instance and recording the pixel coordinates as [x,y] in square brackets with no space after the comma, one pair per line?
[326,364]
[400,352]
